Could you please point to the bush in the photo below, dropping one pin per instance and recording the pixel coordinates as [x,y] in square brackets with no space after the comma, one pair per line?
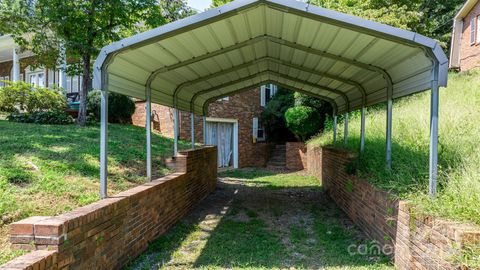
[323,108]
[120,107]
[22,96]
[303,121]
[47,117]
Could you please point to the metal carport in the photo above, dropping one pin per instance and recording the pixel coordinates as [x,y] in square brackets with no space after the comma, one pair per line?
[350,62]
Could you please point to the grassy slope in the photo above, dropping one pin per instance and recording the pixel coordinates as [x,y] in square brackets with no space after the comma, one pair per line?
[459,150]
[46,170]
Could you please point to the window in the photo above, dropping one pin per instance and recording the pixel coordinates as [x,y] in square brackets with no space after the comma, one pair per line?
[266,93]
[258,130]
[37,79]
[477,33]
[473,30]
[3,78]
[224,99]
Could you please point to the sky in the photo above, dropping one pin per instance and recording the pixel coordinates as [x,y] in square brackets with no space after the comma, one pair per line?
[199,4]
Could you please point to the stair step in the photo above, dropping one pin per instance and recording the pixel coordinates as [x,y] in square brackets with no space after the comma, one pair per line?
[280,164]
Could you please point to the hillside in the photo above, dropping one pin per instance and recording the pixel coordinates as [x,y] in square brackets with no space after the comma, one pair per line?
[47,170]
[459,149]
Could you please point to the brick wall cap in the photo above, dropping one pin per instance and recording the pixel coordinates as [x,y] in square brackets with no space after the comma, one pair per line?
[28,259]
[196,150]
[25,226]
[50,227]
[350,154]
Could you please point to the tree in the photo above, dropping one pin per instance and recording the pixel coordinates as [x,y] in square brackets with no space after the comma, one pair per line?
[273,117]
[303,121]
[322,107]
[429,18]
[82,27]
[217,3]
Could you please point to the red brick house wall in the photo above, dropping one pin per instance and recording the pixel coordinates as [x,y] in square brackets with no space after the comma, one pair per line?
[162,118]
[243,107]
[469,54]
[109,233]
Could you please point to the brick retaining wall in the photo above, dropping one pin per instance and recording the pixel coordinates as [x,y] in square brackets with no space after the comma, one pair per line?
[109,233]
[418,242]
[296,155]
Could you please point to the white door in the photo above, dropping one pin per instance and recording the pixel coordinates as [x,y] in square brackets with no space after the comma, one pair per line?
[221,135]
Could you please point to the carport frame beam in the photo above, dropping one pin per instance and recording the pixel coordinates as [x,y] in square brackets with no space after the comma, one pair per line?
[345,130]
[362,131]
[103,141]
[335,130]
[148,129]
[175,132]
[433,159]
[192,128]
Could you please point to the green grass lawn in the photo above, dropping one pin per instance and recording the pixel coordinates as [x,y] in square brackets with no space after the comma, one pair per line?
[259,219]
[271,179]
[47,170]
[459,149]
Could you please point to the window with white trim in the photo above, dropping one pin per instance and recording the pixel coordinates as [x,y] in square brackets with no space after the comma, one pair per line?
[473,30]
[258,130]
[3,78]
[37,78]
[266,93]
[477,34]
[224,99]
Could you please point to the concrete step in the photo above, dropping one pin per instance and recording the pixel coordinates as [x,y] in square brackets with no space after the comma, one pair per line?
[279,164]
[276,168]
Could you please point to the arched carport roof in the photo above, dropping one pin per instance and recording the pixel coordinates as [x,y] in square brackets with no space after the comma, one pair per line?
[343,59]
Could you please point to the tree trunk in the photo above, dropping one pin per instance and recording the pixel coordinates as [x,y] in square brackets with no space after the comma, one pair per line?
[86,85]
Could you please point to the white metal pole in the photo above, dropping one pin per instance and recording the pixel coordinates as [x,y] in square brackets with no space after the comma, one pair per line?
[16,66]
[192,128]
[62,78]
[175,132]
[433,170]
[345,135]
[335,130]
[148,127]
[389,133]
[204,130]
[362,131]
[103,143]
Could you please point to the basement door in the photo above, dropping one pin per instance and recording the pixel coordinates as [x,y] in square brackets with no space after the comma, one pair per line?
[221,135]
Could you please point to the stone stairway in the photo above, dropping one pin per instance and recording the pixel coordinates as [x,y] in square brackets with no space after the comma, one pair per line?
[277,159]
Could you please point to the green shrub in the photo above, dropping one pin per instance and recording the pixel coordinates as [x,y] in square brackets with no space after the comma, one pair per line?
[303,121]
[42,117]
[27,98]
[120,107]
[323,108]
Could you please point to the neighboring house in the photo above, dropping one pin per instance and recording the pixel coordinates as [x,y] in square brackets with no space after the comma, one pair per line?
[15,66]
[233,124]
[465,49]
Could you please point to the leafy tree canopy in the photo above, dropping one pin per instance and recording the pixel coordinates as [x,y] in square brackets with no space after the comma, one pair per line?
[82,27]
[303,121]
